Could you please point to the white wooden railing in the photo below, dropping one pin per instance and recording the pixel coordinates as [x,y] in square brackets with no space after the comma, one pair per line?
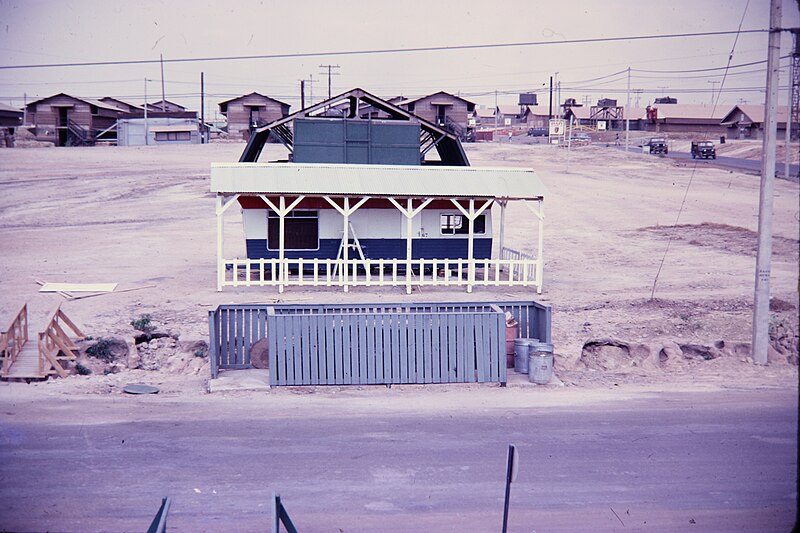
[506,271]
[523,266]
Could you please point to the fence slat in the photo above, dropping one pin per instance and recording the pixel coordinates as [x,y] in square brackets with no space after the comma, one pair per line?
[246,335]
[281,364]
[436,362]
[347,350]
[372,354]
[310,375]
[405,332]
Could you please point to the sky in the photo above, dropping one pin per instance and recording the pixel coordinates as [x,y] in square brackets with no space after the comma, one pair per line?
[46,32]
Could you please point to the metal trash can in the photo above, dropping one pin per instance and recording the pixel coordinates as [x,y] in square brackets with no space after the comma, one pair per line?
[521,352]
[540,363]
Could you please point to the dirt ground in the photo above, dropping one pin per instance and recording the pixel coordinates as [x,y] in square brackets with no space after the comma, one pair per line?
[649,266]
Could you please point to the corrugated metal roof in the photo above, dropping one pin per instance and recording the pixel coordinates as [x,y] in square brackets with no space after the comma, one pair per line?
[376,180]
[4,107]
[755,114]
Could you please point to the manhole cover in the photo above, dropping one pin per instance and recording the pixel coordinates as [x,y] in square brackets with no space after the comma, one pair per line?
[137,388]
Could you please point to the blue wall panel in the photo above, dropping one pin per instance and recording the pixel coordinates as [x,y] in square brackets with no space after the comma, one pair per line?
[450,248]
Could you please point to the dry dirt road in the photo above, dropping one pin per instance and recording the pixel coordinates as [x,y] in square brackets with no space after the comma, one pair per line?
[403,459]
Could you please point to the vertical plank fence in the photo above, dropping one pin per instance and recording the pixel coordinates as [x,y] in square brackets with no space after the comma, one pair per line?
[441,342]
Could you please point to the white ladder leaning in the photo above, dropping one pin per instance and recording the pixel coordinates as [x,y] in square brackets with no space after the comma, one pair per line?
[355,245]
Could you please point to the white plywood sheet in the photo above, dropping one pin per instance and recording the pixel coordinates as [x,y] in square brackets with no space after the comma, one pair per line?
[78,287]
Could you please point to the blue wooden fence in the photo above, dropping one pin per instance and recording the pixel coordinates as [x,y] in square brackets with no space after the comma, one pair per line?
[374,343]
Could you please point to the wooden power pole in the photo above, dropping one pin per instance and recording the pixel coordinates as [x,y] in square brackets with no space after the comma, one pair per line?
[760,338]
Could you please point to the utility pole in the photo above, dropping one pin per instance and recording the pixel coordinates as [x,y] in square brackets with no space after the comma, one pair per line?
[202,109]
[627,113]
[663,88]
[496,111]
[713,86]
[302,94]
[329,67]
[163,93]
[760,338]
[587,99]
[550,113]
[558,99]
[146,141]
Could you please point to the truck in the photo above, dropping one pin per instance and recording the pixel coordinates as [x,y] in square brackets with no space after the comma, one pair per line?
[658,145]
[703,149]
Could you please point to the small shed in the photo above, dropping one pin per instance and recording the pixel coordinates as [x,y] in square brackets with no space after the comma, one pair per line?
[251,111]
[160,131]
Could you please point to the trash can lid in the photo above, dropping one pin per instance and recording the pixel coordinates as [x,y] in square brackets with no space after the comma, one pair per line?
[520,342]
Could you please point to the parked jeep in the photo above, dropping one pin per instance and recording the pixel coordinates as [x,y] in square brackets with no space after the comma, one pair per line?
[704,149]
[658,145]
[537,132]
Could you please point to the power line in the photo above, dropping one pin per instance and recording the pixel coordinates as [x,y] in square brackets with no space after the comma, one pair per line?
[383,51]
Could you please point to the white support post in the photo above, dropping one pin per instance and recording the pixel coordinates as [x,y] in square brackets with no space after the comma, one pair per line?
[343,273]
[345,211]
[282,243]
[410,212]
[409,243]
[222,205]
[539,212]
[503,204]
[282,210]
[471,216]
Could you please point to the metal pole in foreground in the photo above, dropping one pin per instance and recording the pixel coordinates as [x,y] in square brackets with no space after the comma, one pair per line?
[787,143]
[146,141]
[511,475]
[760,338]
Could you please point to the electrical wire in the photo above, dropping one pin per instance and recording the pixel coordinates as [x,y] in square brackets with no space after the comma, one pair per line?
[382,51]
[694,168]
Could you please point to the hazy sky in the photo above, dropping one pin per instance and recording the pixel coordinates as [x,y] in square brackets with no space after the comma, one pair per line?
[36,32]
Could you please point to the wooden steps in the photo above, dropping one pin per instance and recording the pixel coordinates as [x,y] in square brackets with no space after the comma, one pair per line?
[27,364]
[26,359]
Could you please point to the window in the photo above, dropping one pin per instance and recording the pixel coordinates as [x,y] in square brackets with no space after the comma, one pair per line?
[173,136]
[301,230]
[455,224]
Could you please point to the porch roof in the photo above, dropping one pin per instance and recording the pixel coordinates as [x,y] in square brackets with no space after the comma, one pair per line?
[314,179]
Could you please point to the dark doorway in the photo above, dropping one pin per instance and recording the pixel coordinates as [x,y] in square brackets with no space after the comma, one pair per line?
[63,126]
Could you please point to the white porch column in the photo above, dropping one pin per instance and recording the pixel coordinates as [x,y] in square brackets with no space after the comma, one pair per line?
[282,210]
[346,211]
[539,212]
[503,204]
[222,205]
[409,212]
[471,216]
